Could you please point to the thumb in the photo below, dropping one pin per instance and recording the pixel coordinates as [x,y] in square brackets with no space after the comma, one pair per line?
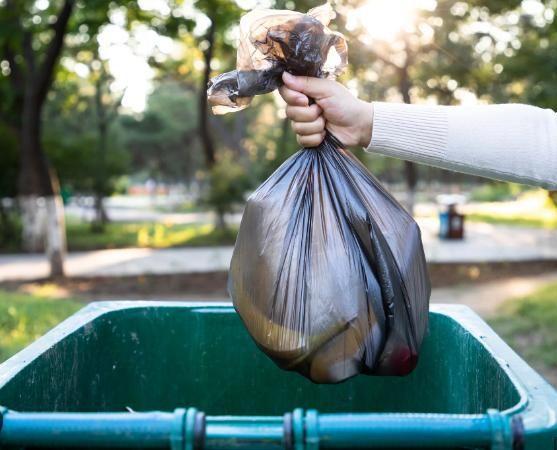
[315,88]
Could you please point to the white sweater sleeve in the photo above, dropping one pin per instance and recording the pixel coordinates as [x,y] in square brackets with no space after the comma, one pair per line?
[506,142]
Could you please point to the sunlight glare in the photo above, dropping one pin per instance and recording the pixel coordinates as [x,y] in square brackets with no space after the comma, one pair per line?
[384,20]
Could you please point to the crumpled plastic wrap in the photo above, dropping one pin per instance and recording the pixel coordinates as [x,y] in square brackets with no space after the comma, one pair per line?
[328,273]
[272,41]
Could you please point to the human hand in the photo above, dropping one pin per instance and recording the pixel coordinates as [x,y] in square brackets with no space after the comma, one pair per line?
[335,109]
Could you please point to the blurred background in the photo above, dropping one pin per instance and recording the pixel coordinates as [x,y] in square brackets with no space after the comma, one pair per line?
[116,181]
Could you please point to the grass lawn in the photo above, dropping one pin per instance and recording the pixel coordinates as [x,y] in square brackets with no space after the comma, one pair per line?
[531,209]
[24,318]
[529,326]
[154,235]
[514,220]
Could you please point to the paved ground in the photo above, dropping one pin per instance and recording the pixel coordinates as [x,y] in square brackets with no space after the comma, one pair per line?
[483,243]
[483,298]
[120,262]
[487,298]
[487,243]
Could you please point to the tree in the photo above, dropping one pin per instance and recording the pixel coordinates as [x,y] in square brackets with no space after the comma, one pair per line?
[106,109]
[163,141]
[228,182]
[222,14]
[81,140]
[32,37]
[430,57]
[528,67]
[31,78]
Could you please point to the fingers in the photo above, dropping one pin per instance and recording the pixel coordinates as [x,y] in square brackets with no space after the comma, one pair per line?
[303,113]
[309,128]
[307,120]
[316,88]
[293,98]
[312,140]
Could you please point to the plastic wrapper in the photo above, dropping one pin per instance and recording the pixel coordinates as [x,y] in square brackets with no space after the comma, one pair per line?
[272,41]
[328,273]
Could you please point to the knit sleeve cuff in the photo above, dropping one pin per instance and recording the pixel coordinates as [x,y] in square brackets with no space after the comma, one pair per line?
[416,133]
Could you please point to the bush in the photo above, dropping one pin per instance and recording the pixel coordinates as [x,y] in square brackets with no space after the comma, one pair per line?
[10,229]
[228,183]
[497,192]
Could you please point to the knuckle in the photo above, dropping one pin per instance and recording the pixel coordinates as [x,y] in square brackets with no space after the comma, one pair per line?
[306,141]
[289,98]
[314,112]
[303,114]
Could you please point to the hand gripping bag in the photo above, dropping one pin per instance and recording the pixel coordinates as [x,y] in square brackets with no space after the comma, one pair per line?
[328,273]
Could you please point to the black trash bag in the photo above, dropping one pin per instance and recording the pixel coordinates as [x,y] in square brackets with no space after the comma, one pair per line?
[328,273]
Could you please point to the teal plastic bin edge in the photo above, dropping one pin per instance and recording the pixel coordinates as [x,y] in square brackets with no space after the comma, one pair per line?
[538,400]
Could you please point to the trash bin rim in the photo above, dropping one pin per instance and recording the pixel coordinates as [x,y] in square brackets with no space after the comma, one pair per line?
[537,399]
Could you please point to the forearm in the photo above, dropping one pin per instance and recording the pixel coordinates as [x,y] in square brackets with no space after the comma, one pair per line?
[505,142]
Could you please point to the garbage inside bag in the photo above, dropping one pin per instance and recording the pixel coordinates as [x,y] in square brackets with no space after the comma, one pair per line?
[328,273]
[272,41]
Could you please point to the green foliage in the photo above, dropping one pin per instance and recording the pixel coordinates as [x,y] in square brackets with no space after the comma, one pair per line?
[163,143]
[497,191]
[84,161]
[228,182]
[530,72]
[528,325]
[152,235]
[163,140]
[10,230]
[217,236]
[76,160]
[24,318]
[223,14]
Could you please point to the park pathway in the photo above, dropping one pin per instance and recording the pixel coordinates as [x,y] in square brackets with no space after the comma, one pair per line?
[483,243]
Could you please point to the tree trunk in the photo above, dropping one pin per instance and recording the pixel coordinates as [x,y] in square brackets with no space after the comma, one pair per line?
[55,235]
[204,127]
[410,169]
[41,205]
[100,217]
[221,220]
[42,208]
[34,185]
[204,131]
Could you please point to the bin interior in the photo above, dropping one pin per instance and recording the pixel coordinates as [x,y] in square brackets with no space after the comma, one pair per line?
[160,357]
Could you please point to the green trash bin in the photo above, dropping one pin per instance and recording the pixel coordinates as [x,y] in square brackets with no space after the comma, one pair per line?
[104,377]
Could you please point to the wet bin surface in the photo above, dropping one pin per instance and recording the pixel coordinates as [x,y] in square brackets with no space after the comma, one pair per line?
[143,356]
